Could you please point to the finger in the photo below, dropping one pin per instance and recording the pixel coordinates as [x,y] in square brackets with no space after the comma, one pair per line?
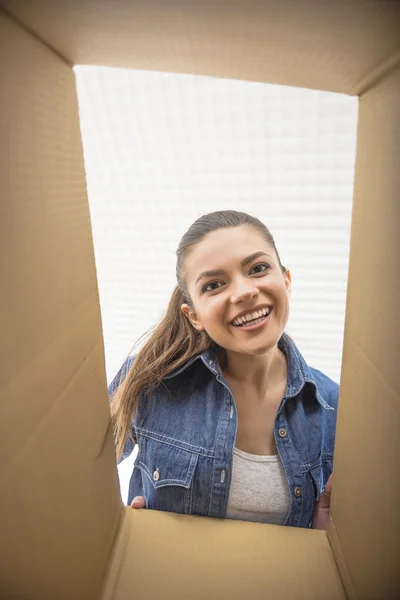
[138,502]
[325,499]
[328,486]
[320,519]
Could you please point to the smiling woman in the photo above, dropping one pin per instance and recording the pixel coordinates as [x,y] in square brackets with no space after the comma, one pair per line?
[252,279]
[229,419]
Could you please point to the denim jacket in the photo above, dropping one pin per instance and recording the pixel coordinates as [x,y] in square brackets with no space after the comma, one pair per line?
[187,437]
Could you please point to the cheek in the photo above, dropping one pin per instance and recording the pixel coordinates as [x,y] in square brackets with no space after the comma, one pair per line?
[285,306]
[278,293]
[213,311]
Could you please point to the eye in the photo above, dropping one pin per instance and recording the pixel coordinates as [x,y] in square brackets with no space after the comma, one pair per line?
[209,288]
[261,268]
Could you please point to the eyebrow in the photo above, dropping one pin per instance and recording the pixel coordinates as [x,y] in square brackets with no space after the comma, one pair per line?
[243,263]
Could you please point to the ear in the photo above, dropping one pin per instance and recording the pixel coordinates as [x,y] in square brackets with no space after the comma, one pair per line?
[288,281]
[192,317]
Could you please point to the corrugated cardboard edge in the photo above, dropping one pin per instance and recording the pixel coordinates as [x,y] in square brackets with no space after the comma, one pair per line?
[341,561]
[116,557]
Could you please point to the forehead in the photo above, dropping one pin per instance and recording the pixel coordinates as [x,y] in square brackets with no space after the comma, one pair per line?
[224,247]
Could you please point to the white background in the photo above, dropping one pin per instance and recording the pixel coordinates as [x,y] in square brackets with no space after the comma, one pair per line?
[161,149]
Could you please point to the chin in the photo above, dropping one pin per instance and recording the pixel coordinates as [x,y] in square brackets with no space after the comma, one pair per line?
[260,351]
[256,350]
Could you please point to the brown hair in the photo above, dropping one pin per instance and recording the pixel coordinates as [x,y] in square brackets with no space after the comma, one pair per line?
[174,341]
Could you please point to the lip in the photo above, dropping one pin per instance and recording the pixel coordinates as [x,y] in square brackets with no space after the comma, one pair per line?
[255,309]
[257,326]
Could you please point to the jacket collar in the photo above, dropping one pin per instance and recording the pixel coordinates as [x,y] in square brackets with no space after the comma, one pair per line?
[299,373]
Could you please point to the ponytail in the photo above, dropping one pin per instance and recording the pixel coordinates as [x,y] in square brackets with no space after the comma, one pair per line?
[173,342]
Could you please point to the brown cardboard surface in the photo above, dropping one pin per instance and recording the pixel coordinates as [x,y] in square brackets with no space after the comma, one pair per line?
[366,482]
[321,44]
[163,555]
[59,500]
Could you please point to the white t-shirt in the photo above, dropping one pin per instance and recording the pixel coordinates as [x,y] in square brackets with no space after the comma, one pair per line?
[259,489]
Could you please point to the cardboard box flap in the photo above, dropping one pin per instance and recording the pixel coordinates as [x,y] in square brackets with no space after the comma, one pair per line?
[163,555]
[366,482]
[307,43]
[59,502]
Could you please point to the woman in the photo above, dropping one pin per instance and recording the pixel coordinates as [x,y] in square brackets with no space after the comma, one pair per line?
[229,419]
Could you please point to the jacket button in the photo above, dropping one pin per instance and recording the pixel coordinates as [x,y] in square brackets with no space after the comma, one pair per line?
[282,432]
[156,475]
[297,492]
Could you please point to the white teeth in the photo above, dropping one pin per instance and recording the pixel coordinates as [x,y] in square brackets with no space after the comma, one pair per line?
[251,316]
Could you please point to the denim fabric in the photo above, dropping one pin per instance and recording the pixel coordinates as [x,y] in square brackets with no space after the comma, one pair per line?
[186,437]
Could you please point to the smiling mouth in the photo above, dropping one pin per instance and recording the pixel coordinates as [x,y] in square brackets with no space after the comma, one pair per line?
[247,321]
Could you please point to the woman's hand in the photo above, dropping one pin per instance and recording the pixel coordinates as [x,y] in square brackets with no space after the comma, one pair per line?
[138,502]
[321,513]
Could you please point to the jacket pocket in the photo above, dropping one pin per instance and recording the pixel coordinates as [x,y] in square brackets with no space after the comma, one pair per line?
[167,475]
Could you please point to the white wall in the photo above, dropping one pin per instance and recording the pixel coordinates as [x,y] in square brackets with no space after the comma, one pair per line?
[161,149]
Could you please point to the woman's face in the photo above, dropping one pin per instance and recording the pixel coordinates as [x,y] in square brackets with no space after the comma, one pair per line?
[234,273]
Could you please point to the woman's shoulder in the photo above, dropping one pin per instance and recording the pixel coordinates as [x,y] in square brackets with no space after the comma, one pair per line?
[327,387]
[120,376]
[300,371]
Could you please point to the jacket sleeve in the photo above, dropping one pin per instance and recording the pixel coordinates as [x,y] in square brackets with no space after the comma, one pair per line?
[112,388]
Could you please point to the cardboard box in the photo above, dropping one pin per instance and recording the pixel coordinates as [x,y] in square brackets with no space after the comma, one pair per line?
[64,531]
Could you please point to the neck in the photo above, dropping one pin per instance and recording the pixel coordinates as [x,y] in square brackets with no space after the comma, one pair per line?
[260,373]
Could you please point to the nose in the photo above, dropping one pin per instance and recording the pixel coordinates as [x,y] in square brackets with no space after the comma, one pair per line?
[244,292]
